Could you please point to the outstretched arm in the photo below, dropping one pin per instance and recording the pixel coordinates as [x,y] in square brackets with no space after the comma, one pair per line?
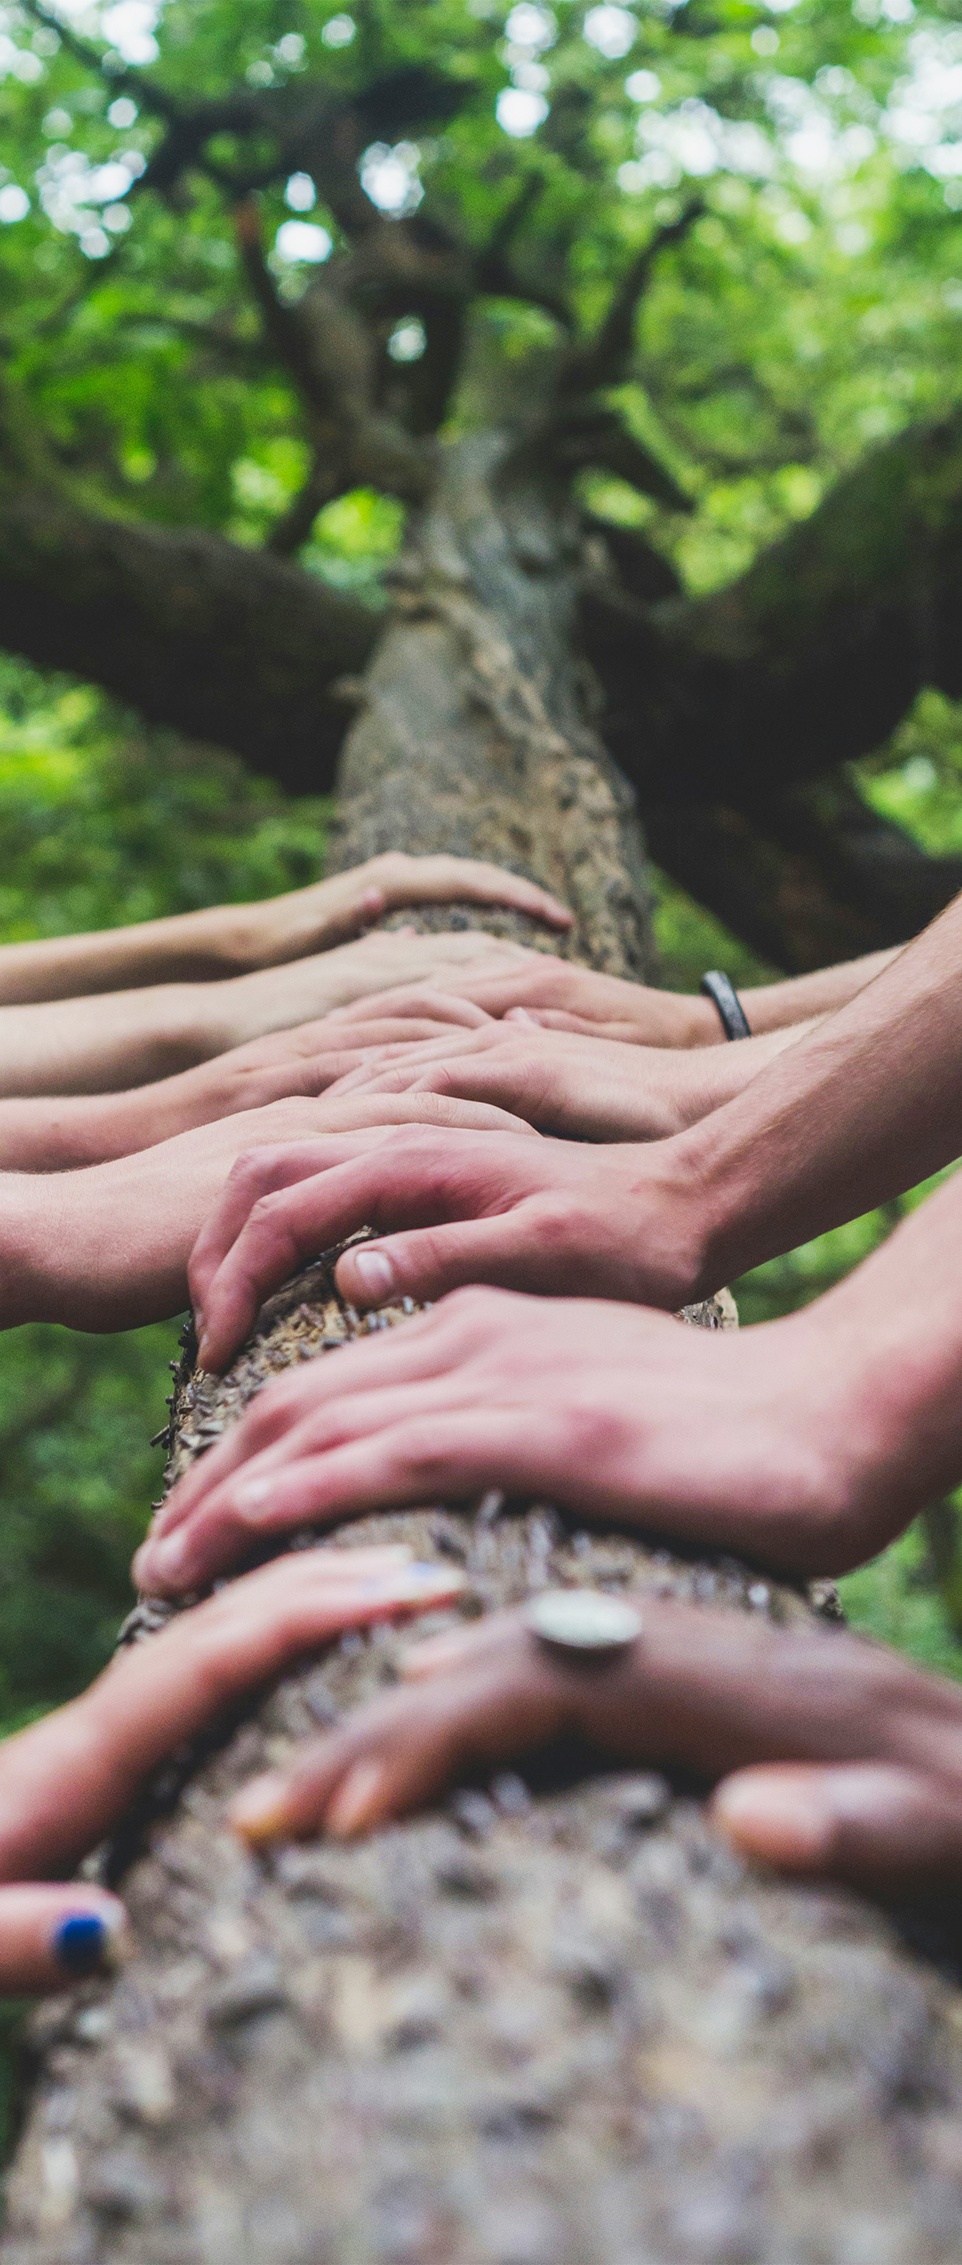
[62,1134]
[836,1757]
[107,1248]
[128,1038]
[564,997]
[64,1781]
[232,939]
[865,1105]
[805,1443]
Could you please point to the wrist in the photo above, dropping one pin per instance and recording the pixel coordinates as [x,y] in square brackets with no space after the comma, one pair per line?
[697,1021]
[29,1231]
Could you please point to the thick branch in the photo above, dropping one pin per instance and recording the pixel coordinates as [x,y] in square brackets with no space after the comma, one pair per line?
[806,878]
[813,656]
[223,643]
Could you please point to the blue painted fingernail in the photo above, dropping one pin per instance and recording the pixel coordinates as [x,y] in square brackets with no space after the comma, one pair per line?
[80,1942]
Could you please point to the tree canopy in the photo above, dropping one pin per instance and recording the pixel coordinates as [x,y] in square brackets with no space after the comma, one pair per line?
[255,257]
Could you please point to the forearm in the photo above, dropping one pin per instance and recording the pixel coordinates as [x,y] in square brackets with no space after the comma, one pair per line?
[693,1082]
[104,1045]
[866,1105]
[64,1133]
[106,1248]
[776,1006]
[183,948]
[890,1335]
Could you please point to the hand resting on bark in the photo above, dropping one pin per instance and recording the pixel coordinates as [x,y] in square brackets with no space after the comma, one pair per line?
[836,1757]
[107,1248]
[562,996]
[127,1038]
[233,939]
[863,1106]
[65,1781]
[805,1443]
[58,1134]
[586,1088]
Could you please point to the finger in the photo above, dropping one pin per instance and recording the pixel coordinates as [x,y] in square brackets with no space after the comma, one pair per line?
[253,1240]
[274,1214]
[872,1825]
[439,1454]
[412,1002]
[51,1935]
[448,880]
[251,1496]
[256,1173]
[429,1345]
[560,1018]
[509,1251]
[398,1751]
[63,1781]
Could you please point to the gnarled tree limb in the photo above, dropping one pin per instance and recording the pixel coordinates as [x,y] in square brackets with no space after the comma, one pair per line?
[226,644]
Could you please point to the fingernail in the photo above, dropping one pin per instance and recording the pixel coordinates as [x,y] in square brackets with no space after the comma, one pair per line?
[518,1014]
[159,1560]
[260,1812]
[782,1822]
[253,1494]
[375,1274]
[86,1940]
[356,1803]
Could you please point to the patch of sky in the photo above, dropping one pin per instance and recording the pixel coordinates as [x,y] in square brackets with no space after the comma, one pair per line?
[300,241]
[300,193]
[611,30]
[390,177]
[338,31]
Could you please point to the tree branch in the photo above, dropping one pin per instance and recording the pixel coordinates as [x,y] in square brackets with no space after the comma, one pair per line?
[606,358]
[806,878]
[225,644]
[813,656]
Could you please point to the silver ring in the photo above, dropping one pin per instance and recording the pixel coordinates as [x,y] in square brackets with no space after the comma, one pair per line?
[583,1621]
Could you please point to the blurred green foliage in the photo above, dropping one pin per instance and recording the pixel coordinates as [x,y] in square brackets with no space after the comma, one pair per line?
[813,308]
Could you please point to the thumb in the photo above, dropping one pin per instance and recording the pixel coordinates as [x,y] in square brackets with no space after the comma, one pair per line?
[874,1825]
[430,1260]
[50,1935]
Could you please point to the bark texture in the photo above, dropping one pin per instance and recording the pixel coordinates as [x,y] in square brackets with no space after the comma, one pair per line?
[553,2023]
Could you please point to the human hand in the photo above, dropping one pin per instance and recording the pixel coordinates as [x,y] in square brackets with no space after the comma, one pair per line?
[619,1222]
[65,1781]
[107,1247]
[559,995]
[312,919]
[276,998]
[586,1088]
[836,1757]
[304,1062]
[742,1441]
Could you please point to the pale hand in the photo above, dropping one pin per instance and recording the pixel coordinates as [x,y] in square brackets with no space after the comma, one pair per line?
[329,911]
[734,1441]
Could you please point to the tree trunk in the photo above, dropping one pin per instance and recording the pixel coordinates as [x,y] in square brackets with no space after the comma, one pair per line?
[553,2023]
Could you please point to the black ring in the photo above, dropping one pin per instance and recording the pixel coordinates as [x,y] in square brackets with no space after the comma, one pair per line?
[721,991]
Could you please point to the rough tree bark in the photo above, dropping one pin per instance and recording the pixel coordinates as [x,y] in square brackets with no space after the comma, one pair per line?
[552,2023]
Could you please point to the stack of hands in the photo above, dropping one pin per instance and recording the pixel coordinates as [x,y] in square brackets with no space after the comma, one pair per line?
[592,1151]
